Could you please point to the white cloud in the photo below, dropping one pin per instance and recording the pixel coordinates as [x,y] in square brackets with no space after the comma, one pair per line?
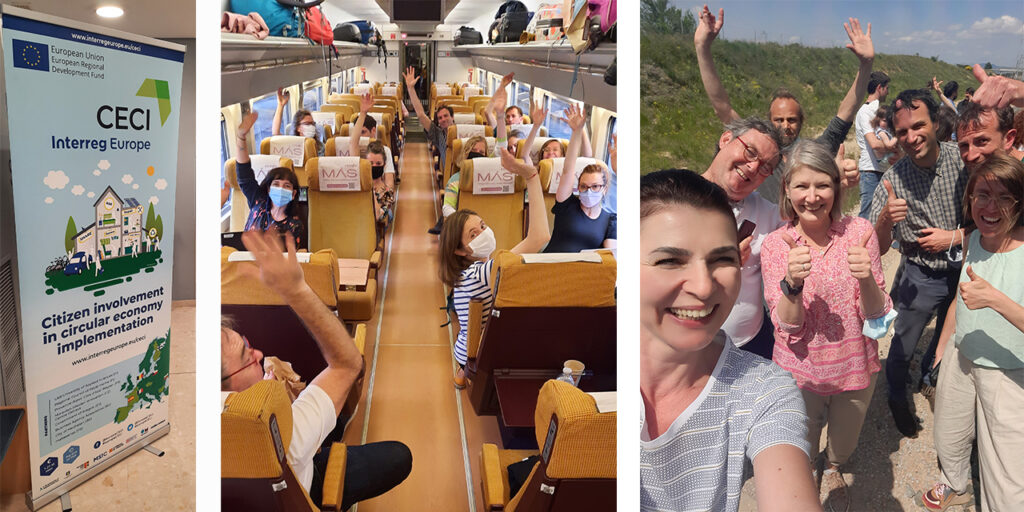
[91,195]
[957,26]
[126,179]
[154,199]
[160,184]
[97,172]
[56,179]
[77,190]
[1004,24]
[135,186]
[925,36]
[103,164]
[48,200]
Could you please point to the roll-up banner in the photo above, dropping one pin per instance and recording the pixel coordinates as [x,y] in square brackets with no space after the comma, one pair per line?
[93,123]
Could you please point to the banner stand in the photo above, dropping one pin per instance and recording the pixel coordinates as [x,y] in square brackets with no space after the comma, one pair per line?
[92,127]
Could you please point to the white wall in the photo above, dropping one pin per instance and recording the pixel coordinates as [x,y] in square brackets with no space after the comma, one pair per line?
[452,69]
[184,275]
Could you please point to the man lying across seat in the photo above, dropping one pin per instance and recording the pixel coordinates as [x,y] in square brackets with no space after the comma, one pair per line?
[371,469]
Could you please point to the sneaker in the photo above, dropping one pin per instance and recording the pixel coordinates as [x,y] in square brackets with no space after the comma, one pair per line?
[942,496]
[905,420]
[436,230]
[834,487]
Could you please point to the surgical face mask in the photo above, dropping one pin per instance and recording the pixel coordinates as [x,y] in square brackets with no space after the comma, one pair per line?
[590,198]
[307,130]
[475,154]
[378,171]
[484,244]
[280,196]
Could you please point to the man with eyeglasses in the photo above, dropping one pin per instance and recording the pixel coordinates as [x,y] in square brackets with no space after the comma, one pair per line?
[371,469]
[747,153]
[920,206]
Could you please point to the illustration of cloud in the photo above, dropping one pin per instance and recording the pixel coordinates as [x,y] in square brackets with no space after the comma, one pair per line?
[97,172]
[126,179]
[154,199]
[48,200]
[77,190]
[103,165]
[56,179]
[135,186]
[91,195]
[160,184]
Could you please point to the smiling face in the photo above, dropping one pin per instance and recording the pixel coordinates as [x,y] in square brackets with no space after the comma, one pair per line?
[513,116]
[812,195]
[733,172]
[785,115]
[551,149]
[978,141]
[916,134]
[991,219]
[444,118]
[689,277]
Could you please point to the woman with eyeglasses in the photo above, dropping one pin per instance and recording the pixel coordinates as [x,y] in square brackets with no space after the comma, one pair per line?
[981,386]
[580,221]
[824,287]
[303,124]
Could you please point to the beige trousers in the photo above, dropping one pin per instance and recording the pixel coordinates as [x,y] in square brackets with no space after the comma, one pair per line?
[973,399]
[844,412]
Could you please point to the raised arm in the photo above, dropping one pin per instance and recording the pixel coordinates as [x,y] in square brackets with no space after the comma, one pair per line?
[410,85]
[283,274]
[861,46]
[866,267]
[497,115]
[243,171]
[587,150]
[282,99]
[365,103]
[707,29]
[937,87]
[574,117]
[492,112]
[537,234]
[537,115]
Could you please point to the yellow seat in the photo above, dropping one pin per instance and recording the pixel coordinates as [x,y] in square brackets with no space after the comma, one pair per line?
[460,131]
[298,149]
[239,205]
[503,212]
[339,145]
[256,430]
[535,150]
[576,469]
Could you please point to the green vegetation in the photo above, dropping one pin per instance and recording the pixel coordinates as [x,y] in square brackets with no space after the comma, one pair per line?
[679,128]
[657,16]
[69,235]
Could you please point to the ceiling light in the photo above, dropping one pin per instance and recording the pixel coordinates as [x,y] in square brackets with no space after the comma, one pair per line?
[110,11]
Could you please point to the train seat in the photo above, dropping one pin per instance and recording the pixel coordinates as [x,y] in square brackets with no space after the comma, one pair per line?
[460,131]
[535,150]
[467,118]
[256,430]
[343,220]
[502,210]
[260,165]
[339,145]
[576,468]
[298,149]
[361,89]
[457,145]
[345,111]
[472,90]
[544,314]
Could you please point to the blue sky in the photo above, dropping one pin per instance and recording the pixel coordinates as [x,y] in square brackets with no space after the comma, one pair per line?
[961,32]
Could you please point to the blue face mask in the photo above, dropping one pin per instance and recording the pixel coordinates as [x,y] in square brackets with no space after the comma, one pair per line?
[877,328]
[280,196]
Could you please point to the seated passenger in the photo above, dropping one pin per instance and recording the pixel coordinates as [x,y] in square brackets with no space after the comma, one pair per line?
[475,147]
[366,126]
[437,133]
[580,222]
[303,124]
[379,157]
[371,469]
[465,254]
[513,114]
[824,286]
[707,406]
[271,202]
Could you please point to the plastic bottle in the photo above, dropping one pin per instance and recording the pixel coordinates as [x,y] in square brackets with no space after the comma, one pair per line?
[566,376]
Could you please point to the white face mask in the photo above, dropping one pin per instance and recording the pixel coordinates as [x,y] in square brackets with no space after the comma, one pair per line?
[484,244]
[590,199]
[307,130]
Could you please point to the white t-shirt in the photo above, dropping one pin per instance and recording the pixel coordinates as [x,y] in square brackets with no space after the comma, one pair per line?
[745,319]
[862,125]
[313,417]
[389,162]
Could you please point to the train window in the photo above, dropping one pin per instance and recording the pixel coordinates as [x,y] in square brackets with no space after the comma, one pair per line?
[265,107]
[556,127]
[612,130]
[481,79]
[224,151]
[339,83]
[312,99]
[521,96]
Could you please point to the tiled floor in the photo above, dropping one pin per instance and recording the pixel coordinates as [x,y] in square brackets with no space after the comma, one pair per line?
[144,482]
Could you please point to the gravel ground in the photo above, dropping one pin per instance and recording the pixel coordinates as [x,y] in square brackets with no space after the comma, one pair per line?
[887,472]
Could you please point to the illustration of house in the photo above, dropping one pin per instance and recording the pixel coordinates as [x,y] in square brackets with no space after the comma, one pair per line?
[117,230]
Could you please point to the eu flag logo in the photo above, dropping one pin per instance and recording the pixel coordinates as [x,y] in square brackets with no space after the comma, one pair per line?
[31,55]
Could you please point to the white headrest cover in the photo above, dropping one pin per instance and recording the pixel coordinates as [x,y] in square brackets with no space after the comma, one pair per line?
[338,173]
[289,146]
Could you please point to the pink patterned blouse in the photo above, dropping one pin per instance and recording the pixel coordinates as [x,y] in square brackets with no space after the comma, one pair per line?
[827,354]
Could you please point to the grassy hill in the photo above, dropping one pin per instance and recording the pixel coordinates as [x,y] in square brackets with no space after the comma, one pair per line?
[679,128]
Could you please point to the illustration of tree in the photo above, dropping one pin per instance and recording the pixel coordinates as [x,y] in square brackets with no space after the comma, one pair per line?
[150,218]
[69,235]
[159,225]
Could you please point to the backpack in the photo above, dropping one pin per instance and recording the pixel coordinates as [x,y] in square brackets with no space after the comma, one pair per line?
[347,33]
[589,23]
[366,29]
[318,29]
[468,35]
[510,22]
[281,20]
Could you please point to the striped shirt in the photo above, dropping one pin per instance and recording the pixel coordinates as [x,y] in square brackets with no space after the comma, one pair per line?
[747,405]
[934,200]
[473,284]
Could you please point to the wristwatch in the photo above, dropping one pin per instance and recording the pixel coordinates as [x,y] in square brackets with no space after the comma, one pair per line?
[790,291]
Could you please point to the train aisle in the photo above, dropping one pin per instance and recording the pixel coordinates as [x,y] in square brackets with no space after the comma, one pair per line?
[408,391]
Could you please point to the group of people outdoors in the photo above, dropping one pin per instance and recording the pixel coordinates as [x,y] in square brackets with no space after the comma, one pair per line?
[760,322]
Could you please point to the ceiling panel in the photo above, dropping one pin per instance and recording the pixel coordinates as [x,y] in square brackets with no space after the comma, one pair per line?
[166,19]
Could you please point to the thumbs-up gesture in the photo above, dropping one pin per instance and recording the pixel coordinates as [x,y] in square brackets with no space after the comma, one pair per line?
[859,258]
[978,293]
[799,262]
[895,209]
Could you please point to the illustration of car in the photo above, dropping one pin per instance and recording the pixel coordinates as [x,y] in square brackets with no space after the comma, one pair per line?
[77,264]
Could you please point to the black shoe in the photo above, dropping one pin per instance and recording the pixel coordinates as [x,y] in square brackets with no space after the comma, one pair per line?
[905,420]
[436,230]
